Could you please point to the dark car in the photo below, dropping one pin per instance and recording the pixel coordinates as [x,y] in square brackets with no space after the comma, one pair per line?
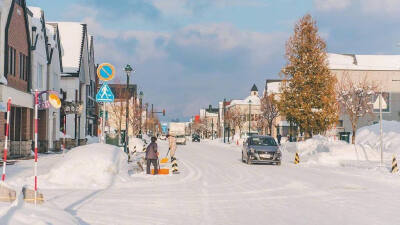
[261,149]
[195,138]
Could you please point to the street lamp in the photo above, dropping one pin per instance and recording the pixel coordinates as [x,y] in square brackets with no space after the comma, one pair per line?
[249,116]
[141,112]
[128,70]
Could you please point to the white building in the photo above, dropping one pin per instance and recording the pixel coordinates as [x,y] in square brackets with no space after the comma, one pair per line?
[76,76]
[250,107]
[46,71]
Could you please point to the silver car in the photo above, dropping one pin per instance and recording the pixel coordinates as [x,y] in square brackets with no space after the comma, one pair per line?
[261,149]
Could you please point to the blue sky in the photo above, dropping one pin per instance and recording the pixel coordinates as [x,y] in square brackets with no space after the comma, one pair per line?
[191,53]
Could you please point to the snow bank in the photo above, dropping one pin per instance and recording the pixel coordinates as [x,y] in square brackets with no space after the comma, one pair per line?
[136,144]
[89,166]
[66,135]
[325,151]
[92,140]
[370,136]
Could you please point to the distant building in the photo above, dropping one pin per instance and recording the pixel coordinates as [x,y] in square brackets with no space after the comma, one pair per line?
[248,106]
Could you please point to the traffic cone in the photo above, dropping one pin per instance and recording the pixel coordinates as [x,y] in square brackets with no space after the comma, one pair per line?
[297,158]
[174,165]
[395,169]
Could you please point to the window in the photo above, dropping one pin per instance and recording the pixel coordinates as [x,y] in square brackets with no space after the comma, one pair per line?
[39,76]
[26,68]
[11,60]
[22,66]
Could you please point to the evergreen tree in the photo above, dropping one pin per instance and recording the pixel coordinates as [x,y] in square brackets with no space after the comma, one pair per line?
[308,90]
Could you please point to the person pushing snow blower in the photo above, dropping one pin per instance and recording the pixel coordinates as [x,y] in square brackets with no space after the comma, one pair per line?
[152,156]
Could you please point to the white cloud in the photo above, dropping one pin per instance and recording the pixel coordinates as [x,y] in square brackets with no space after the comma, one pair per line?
[328,5]
[382,7]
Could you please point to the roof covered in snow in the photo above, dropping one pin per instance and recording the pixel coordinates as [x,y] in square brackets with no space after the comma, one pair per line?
[363,62]
[71,36]
[255,100]
[36,11]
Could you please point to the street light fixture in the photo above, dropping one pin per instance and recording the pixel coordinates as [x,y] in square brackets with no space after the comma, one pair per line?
[128,70]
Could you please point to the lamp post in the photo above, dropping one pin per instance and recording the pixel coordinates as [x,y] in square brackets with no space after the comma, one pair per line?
[141,111]
[249,116]
[128,70]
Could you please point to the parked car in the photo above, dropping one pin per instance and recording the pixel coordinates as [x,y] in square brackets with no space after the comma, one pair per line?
[163,137]
[195,138]
[261,149]
[181,139]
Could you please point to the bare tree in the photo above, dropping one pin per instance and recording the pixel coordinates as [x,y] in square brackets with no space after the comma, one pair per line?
[355,99]
[117,111]
[235,118]
[269,112]
[134,117]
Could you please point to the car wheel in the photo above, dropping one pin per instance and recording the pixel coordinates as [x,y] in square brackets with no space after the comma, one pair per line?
[248,160]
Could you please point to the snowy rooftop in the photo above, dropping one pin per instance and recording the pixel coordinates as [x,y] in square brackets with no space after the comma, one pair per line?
[71,40]
[364,62]
[255,100]
[36,11]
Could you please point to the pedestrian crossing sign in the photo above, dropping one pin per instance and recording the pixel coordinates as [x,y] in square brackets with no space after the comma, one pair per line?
[105,94]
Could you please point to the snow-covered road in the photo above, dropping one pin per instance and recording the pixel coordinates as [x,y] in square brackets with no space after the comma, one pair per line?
[215,187]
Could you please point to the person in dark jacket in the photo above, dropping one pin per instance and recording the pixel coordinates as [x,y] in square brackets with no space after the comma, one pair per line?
[152,156]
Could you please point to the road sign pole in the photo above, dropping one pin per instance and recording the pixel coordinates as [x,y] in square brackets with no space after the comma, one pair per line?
[104,123]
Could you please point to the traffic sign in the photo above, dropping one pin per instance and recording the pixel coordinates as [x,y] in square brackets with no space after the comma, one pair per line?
[106,72]
[105,94]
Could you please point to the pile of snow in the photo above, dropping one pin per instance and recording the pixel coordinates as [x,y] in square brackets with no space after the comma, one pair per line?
[326,151]
[370,136]
[136,144]
[92,140]
[89,166]
[66,135]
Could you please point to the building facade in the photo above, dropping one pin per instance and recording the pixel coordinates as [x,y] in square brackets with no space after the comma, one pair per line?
[15,76]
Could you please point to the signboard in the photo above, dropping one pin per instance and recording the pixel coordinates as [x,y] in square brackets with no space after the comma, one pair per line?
[385,102]
[106,72]
[72,108]
[105,94]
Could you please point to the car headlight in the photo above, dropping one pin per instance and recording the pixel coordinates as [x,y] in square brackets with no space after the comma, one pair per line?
[252,150]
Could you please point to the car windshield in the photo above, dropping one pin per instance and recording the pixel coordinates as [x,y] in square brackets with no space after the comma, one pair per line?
[180,136]
[264,141]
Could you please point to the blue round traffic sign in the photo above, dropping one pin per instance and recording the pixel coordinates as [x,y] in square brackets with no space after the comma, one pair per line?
[105,72]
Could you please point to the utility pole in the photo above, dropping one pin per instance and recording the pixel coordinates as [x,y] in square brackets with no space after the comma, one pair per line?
[223,106]
[249,116]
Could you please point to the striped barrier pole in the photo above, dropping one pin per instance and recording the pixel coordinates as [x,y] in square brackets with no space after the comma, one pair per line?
[297,158]
[36,140]
[174,165]
[395,169]
[3,177]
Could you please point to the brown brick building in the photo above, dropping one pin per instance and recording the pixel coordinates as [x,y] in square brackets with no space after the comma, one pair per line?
[16,61]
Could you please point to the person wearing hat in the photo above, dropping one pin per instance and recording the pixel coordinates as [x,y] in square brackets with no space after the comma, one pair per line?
[152,156]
